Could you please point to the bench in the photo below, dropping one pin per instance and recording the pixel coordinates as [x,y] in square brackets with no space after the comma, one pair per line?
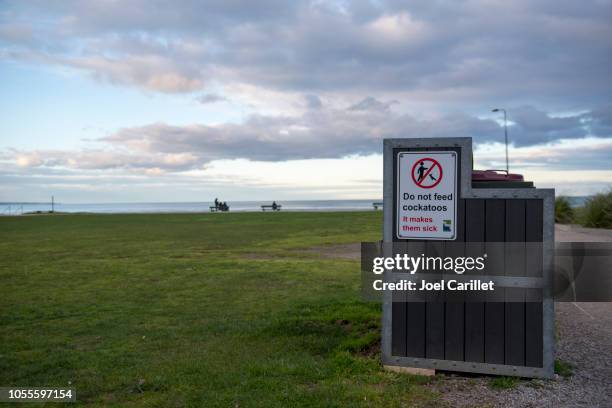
[264,207]
[376,205]
[217,209]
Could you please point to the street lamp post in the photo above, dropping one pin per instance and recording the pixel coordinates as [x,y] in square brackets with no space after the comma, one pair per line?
[505,135]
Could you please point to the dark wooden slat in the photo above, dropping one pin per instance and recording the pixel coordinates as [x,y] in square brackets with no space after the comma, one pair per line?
[534,226]
[533,310]
[434,347]
[454,334]
[474,311]
[533,334]
[434,311]
[415,312]
[494,309]
[415,329]
[515,266]
[398,332]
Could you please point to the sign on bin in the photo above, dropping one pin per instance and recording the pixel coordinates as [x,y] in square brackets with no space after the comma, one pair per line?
[427,195]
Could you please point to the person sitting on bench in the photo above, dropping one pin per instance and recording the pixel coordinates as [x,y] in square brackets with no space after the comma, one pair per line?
[274,206]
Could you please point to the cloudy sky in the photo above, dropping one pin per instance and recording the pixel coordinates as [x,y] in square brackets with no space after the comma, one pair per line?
[187,100]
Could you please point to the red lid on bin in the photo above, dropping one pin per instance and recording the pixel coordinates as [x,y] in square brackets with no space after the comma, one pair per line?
[495,175]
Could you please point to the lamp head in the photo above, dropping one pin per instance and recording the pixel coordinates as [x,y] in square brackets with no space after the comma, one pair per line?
[495,110]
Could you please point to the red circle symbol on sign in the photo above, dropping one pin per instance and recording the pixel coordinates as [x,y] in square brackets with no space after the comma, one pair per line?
[426,173]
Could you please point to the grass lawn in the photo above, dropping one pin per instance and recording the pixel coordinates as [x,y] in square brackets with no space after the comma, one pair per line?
[194,310]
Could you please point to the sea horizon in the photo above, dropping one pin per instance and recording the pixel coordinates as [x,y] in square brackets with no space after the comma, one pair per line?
[15,208]
[151,207]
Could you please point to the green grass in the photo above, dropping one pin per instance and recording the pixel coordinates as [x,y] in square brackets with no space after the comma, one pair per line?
[194,310]
[563,369]
[504,383]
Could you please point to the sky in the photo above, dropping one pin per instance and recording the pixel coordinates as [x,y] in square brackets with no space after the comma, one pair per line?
[115,101]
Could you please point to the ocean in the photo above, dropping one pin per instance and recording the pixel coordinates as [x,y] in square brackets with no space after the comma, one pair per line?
[186,207]
[16,208]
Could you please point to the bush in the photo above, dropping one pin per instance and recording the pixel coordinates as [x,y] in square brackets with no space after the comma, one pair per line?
[564,213]
[597,212]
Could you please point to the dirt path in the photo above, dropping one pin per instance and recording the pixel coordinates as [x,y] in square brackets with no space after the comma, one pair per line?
[576,233]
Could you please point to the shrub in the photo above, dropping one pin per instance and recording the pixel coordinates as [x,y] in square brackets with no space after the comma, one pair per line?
[597,212]
[564,213]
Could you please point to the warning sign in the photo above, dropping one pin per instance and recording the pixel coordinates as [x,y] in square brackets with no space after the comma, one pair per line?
[426,177]
[427,195]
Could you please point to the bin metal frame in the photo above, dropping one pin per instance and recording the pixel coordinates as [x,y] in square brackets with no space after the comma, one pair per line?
[466,191]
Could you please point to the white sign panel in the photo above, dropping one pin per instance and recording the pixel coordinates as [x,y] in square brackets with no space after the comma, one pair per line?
[427,195]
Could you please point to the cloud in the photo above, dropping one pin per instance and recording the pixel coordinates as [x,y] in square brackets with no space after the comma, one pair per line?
[210,98]
[348,177]
[28,159]
[327,132]
[565,155]
[317,133]
[372,104]
[146,71]
[328,80]
[109,158]
[550,52]
[313,101]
